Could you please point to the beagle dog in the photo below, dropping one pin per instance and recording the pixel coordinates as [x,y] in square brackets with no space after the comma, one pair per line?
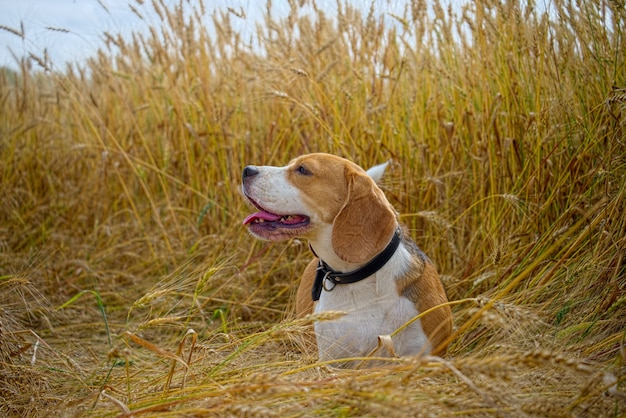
[366,265]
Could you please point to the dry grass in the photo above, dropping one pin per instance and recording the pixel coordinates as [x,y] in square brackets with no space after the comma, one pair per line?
[129,286]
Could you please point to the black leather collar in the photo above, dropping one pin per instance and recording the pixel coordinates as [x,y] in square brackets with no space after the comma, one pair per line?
[325,273]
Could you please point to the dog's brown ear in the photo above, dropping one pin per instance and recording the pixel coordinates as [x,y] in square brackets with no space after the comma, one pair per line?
[365,223]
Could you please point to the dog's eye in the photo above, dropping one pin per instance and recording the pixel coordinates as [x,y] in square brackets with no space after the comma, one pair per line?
[303,170]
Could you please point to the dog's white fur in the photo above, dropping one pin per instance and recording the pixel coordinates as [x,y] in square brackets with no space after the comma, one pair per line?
[372,308]
[339,208]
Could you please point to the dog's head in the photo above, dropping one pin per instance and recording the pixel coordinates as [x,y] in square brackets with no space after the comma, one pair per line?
[326,199]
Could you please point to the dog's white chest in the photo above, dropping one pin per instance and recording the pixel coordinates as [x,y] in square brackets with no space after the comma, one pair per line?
[372,308]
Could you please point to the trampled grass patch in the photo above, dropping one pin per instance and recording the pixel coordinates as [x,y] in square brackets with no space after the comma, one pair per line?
[129,286]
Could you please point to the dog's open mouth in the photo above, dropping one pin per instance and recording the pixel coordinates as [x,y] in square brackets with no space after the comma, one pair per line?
[274,220]
[272,226]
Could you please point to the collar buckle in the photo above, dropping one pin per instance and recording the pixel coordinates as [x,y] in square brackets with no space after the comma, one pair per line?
[327,278]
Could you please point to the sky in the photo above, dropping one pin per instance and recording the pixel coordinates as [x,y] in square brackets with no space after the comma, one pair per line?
[71,30]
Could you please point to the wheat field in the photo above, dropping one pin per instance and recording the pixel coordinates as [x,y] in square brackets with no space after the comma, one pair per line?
[130,287]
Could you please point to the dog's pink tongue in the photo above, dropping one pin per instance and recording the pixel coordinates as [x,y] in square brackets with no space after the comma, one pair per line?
[266,216]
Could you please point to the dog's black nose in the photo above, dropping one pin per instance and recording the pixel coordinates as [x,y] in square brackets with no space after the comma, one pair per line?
[250,171]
